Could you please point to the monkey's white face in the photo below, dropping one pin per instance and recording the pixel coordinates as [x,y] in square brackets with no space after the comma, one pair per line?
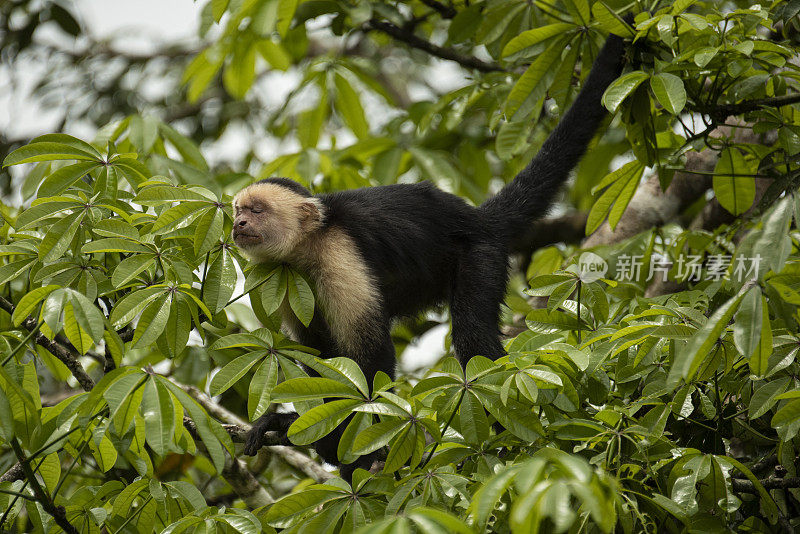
[270,221]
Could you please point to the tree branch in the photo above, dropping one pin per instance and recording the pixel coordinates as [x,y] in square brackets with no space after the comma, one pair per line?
[238,428]
[245,484]
[447,12]
[58,513]
[745,486]
[726,110]
[435,50]
[56,349]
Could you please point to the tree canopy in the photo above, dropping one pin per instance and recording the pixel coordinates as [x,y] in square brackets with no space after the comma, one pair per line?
[653,321]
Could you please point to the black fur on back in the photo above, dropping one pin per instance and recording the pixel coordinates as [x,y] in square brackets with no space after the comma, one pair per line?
[410,235]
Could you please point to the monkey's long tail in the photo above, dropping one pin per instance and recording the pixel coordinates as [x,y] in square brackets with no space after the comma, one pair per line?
[530,194]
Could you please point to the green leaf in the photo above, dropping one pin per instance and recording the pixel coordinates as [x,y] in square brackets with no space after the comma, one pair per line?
[64,177]
[286,9]
[274,54]
[124,501]
[12,270]
[208,230]
[400,449]
[42,210]
[115,244]
[132,304]
[532,85]
[766,396]
[495,21]
[545,322]
[153,195]
[87,315]
[215,438]
[176,333]
[669,91]
[759,361]
[296,504]
[116,228]
[159,417]
[220,282]
[28,303]
[312,388]
[259,395]
[535,36]
[244,340]
[233,371]
[152,322]
[301,298]
[613,201]
[349,370]
[378,435]
[689,359]
[349,106]
[735,193]
[621,88]
[488,495]
[120,388]
[747,325]
[473,420]
[610,21]
[59,237]
[238,76]
[320,421]
[130,268]
[177,215]
[511,138]
[48,151]
[187,149]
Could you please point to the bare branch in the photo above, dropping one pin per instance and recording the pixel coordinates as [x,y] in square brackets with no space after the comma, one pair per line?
[435,50]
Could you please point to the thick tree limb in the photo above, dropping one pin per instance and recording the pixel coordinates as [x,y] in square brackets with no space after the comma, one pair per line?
[56,349]
[650,206]
[237,428]
[58,513]
[745,486]
[726,110]
[435,50]
[245,484]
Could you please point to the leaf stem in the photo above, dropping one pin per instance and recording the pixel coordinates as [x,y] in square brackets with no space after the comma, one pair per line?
[205,273]
[446,426]
[22,343]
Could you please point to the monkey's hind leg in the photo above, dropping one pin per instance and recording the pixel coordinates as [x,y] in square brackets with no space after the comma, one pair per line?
[478,291]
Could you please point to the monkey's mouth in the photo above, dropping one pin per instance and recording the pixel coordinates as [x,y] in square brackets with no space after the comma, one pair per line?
[246,239]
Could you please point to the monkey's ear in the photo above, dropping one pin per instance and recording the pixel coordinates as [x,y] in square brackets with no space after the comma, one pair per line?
[310,213]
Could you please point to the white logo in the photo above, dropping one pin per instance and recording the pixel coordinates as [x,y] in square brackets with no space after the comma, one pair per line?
[591,267]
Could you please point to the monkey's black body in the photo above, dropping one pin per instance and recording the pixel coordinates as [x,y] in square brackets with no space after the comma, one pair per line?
[425,247]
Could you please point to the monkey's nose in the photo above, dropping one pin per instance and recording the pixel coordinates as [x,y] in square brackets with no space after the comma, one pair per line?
[242,223]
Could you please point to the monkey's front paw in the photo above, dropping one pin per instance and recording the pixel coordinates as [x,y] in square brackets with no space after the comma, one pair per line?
[254,441]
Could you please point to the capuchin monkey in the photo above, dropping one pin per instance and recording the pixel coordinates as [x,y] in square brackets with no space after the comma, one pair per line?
[380,253]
